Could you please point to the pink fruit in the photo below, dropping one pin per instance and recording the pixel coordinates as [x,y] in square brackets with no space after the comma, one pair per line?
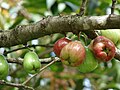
[103,48]
[60,44]
[73,54]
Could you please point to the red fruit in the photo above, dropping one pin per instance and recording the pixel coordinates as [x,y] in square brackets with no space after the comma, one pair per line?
[60,44]
[73,54]
[103,48]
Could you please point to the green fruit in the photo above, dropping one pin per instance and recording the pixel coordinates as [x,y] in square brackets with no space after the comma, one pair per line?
[57,67]
[89,64]
[4,68]
[31,63]
[118,43]
[113,35]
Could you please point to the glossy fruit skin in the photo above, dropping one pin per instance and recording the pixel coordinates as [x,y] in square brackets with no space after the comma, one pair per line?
[31,62]
[73,54]
[103,48]
[60,44]
[90,63]
[4,67]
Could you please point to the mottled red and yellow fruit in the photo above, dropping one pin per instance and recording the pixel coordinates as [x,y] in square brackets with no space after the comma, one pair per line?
[60,44]
[103,48]
[73,54]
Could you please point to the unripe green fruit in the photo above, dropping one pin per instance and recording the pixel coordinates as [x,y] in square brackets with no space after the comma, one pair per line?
[118,45]
[31,63]
[90,63]
[113,35]
[4,68]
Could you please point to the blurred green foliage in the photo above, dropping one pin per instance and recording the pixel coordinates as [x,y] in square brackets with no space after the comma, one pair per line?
[57,76]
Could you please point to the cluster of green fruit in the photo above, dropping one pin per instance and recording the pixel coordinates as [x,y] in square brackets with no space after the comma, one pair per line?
[31,64]
[86,58]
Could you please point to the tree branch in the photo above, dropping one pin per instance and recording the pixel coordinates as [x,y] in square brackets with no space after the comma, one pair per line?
[82,7]
[57,24]
[20,60]
[15,60]
[26,47]
[2,82]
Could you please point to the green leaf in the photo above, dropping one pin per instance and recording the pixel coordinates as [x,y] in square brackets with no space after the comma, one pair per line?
[54,8]
[57,67]
[35,6]
[72,6]
[2,21]
[76,2]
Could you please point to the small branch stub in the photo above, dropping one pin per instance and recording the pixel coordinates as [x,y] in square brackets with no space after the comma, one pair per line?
[113,6]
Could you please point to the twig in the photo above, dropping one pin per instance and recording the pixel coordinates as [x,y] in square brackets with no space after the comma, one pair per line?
[3,82]
[25,13]
[113,6]
[5,53]
[15,60]
[20,60]
[91,34]
[47,59]
[54,60]
[117,54]
[45,52]
[82,7]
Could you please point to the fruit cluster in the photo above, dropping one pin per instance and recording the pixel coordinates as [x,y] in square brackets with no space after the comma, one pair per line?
[73,53]
[86,58]
[31,64]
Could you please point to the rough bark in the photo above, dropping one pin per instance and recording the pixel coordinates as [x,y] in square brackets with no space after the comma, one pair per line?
[57,24]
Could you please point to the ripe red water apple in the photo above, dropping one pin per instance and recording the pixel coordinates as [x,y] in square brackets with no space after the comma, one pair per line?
[60,44]
[73,54]
[103,48]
